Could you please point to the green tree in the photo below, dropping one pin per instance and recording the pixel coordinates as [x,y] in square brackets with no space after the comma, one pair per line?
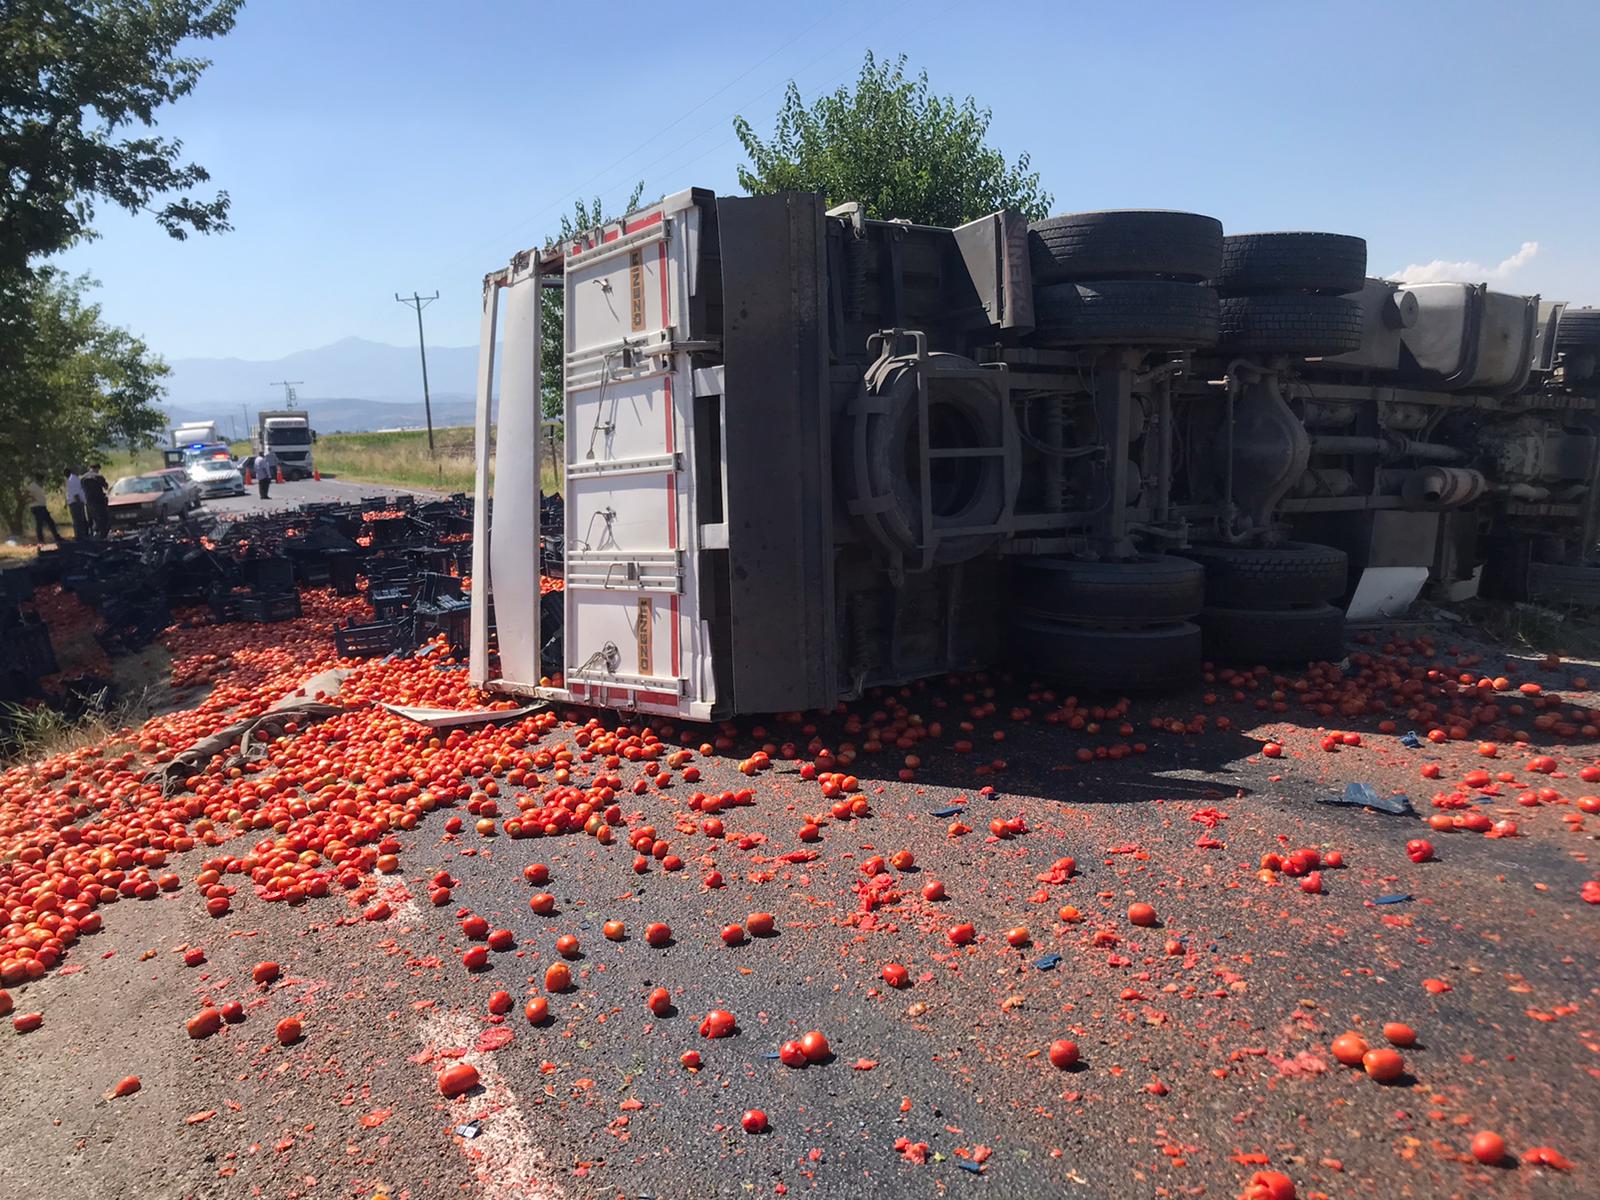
[80,84]
[552,313]
[73,386]
[890,143]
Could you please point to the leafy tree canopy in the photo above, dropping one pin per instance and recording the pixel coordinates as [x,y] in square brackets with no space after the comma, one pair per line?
[893,145]
[80,84]
[73,386]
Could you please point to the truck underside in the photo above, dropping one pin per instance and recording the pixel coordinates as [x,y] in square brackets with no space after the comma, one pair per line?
[808,453]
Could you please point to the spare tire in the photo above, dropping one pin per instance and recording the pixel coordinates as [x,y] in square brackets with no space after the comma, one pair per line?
[1150,658]
[878,464]
[1293,324]
[1291,262]
[1125,244]
[1243,637]
[1147,590]
[1289,573]
[1155,312]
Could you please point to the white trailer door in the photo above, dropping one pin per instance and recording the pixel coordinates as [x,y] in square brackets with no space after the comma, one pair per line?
[633,635]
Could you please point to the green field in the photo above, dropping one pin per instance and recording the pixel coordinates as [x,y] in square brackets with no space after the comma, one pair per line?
[397,459]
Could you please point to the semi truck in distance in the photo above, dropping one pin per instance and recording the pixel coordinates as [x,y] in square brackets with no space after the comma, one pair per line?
[809,452]
[192,433]
[287,433]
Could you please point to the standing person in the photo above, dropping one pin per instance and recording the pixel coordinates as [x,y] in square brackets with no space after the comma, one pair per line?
[77,505]
[264,466]
[94,491]
[39,505]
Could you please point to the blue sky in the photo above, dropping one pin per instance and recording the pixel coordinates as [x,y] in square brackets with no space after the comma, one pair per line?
[372,147]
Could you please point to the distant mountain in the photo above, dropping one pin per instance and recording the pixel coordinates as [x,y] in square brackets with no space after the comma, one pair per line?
[350,385]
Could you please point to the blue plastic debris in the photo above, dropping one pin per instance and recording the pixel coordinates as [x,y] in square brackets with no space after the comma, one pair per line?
[1393,898]
[954,811]
[1047,963]
[975,1168]
[1410,740]
[1365,795]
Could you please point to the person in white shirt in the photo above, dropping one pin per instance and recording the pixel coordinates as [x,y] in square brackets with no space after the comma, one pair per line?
[39,504]
[77,505]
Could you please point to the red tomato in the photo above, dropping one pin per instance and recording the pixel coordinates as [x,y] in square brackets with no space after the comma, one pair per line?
[502,940]
[1419,850]
[1383,1065]
[1272,750]
[761,924]
[537,1010]
[960,935]
[567,945]
[203,1024]
[1141,914]
[659,1001]
[792,1054]
[896,976]
[1063,1054]
[289,1031]
[933,890]
[1349,1048]
[475,927]
[126,1086]
[658,933]
[1017,935]
[457,1079]
[754,1121]
[536,873]
[614,930]
[1269,1185]
[232,1012]
[718,1023]
[264,972]
[1400,1035]
[28,1022]
[542,903]
[733,935]
[816,1047]
[1489,1148]
[558,978]
[690,1059]
[499,1003]
[476,958]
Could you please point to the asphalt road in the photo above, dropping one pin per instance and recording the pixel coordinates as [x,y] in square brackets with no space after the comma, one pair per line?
[306,491]
[1204,1039]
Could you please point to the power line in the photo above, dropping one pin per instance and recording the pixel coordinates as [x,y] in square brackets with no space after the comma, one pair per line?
[288,386]
[419,303]
[656,135]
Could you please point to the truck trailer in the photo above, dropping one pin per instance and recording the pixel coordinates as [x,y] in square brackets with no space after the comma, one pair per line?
[809,452]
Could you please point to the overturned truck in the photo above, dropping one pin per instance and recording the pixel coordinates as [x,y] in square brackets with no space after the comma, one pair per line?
[808,452]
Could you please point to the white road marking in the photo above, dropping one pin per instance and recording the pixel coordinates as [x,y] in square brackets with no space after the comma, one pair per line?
[510,1165]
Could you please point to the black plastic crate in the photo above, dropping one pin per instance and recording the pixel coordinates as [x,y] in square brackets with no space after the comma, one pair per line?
[342,568]
[224,606]
[16,586]
[370,641]
[270,575]
[34,654]
[388,601]
[282,607]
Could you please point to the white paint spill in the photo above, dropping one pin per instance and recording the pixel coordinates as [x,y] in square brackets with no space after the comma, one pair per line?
[510,1165]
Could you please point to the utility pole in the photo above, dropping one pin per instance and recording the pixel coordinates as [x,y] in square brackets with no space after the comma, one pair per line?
[246,411]
[288,386]
[419,303]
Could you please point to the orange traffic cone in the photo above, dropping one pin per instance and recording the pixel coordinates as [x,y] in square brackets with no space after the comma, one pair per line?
[280,474]
[249,477]
[316,474]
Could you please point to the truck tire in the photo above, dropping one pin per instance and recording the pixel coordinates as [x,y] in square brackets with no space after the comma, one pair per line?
[1149,590]
[1289,573]
[1243,637]
[1152,658]
[1564,583]
[1125,244]
[1154,312]
[1253,263]
[1579,329]
[1294,324]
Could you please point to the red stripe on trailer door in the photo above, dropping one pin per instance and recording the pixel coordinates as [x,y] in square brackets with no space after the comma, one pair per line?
[672,474]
